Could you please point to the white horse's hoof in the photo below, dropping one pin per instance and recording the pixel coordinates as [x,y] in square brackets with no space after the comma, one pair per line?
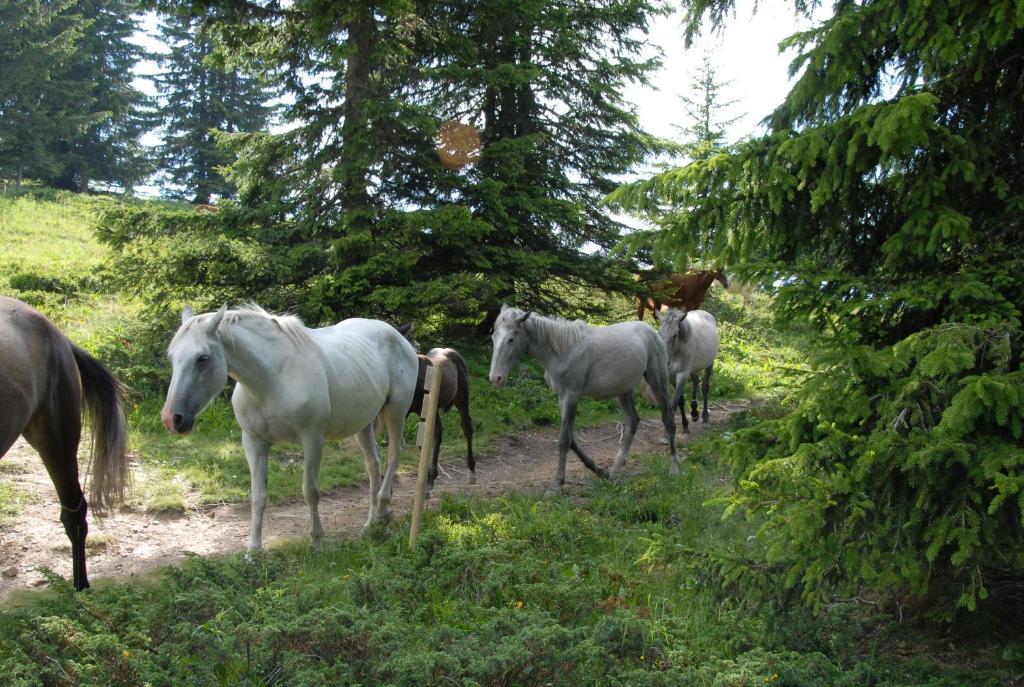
[553,491]
[663,440]
[472,478]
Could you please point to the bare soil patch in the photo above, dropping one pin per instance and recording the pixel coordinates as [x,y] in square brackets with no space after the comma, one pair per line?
[132,542]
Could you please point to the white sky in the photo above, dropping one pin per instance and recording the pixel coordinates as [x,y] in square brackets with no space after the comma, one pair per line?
[745,53]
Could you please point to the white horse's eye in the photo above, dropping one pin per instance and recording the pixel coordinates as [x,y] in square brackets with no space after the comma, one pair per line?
[203,358]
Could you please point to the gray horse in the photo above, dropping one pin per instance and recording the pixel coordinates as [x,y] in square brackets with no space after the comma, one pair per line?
[691,338]
[581,360]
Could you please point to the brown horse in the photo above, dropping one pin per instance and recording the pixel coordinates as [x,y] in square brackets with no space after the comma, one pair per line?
[454,391]
[678,290]
[44,379]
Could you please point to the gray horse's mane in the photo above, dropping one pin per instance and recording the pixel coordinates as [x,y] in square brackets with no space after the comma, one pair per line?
[559,333]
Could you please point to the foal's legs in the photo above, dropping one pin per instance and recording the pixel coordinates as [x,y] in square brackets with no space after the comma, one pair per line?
[462,403]
[257,454]
[57,444]
[632,422]
[432,472]
[312,451]
[371,456]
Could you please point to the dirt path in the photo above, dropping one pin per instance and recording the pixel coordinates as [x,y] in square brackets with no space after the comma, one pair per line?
[132,542]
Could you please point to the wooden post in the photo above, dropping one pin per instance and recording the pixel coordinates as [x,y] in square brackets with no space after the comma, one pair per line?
[425,440]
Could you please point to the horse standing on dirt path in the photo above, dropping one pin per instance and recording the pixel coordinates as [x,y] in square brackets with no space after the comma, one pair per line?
[454,391]
[582,360]
[691,338]
[679,290]
[299,385]
[44,379]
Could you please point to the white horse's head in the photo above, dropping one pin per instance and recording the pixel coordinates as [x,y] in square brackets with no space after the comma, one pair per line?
[509,340]
[199,369]
[671,327]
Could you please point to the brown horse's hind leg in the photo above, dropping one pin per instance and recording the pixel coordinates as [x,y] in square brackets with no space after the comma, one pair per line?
[57,444]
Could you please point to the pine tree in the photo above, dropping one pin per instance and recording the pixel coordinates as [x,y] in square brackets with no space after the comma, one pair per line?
[36,38]
[704,109]
[543,82]
[885,201]
[108,115]
[198,98]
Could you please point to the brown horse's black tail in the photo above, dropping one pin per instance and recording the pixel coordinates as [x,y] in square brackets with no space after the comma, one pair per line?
[462,403]
[104,395]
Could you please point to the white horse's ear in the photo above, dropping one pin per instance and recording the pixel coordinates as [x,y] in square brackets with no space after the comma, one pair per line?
[525,317]
[187,314]
[657,317]
[211,326]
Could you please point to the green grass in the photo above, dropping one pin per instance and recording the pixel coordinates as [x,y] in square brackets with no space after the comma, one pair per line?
[606,586]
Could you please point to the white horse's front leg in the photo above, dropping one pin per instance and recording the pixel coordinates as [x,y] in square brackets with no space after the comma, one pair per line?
[257,452]
[312,450]
[371,456]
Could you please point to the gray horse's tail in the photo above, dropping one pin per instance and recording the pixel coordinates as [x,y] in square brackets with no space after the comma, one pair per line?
[104,395]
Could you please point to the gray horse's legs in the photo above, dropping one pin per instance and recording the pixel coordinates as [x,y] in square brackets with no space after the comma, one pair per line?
[257,453]
[705,387]
[586,460]
[371,456]
[667,412]
[677,398]
[629,431]
[565,439]
[694,380]
[312,450]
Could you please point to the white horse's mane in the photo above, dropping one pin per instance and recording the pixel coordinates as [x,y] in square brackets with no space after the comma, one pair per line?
[290,325]
[559,333]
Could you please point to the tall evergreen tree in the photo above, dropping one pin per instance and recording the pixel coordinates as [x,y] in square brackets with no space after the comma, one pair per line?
[200,97]
[110,114]
[885,199]
[36,38]
[705,111]
[543,82]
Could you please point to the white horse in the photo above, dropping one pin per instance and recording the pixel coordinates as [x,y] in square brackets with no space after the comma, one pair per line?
[691,338]
[298,385]
[581,360]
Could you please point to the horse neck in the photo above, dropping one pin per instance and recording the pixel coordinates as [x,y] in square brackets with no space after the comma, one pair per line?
[548,339]
[255,351]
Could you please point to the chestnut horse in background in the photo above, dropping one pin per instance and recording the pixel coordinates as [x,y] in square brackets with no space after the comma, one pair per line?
[677,290]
